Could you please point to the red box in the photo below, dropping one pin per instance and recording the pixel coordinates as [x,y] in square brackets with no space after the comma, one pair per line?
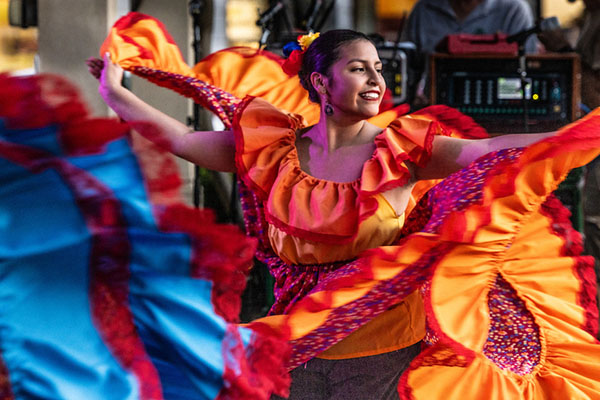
[462,43]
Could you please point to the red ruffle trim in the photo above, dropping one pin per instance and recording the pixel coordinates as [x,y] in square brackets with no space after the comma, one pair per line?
[257,371]
[54,100]
[5,387]
[221,254]
[419,156]
[583,135]
[584,265]
[462,125]
[58,103]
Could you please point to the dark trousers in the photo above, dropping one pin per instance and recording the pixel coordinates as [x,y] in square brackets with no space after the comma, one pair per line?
[362,378]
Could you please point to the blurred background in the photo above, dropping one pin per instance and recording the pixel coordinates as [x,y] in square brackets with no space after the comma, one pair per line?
[65,32]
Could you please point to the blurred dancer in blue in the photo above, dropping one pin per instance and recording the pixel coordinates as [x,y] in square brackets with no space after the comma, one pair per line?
[111,288]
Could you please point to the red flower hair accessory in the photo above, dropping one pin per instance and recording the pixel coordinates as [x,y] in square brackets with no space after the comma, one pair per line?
[295,53]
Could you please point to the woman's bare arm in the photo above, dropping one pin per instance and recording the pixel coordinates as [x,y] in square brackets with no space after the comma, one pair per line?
[451,154]
[209,149]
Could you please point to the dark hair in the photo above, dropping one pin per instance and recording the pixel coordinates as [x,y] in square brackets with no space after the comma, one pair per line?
[323,52]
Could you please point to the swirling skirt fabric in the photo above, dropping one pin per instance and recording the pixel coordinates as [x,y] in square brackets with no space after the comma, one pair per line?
[110,287]
[510,301]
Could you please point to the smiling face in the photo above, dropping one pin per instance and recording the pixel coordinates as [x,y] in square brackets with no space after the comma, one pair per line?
[354,85]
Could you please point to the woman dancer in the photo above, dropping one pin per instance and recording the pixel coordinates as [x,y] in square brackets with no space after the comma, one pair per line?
[331,190]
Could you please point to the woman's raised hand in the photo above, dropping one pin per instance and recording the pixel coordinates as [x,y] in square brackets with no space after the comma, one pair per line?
[209,149]
[108,73]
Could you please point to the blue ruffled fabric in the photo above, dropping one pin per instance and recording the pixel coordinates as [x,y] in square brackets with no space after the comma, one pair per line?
[50,343]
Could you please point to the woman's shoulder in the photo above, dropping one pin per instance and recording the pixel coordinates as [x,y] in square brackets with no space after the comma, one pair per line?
[265,139]
[260,126]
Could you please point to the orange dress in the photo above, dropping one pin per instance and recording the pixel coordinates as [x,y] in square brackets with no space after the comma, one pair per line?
[317,225]
[509,302]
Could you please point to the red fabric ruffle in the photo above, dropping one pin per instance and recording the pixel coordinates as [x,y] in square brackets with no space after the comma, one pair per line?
[257,371]
[221,254]
[6,392]
[459,124]
[109,262]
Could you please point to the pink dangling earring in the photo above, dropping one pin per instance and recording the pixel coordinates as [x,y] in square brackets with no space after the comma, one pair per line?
[328,106]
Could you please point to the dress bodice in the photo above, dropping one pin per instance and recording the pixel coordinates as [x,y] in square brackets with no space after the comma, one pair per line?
[314,220]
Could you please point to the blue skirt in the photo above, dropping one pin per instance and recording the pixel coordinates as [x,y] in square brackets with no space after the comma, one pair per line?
[110,287]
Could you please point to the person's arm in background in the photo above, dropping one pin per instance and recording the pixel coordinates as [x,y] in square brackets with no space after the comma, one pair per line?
[517,18]
[555,41]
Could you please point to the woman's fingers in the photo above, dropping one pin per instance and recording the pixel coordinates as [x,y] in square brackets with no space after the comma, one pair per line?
[108,73]
[94,62]
[95,66]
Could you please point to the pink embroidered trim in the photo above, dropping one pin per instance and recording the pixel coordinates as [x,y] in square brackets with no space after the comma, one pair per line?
[221,103]
[513,341]
[294,282]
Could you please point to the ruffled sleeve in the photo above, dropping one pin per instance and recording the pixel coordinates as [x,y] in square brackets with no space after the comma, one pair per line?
[264,137]
[317,210]
[407,138]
